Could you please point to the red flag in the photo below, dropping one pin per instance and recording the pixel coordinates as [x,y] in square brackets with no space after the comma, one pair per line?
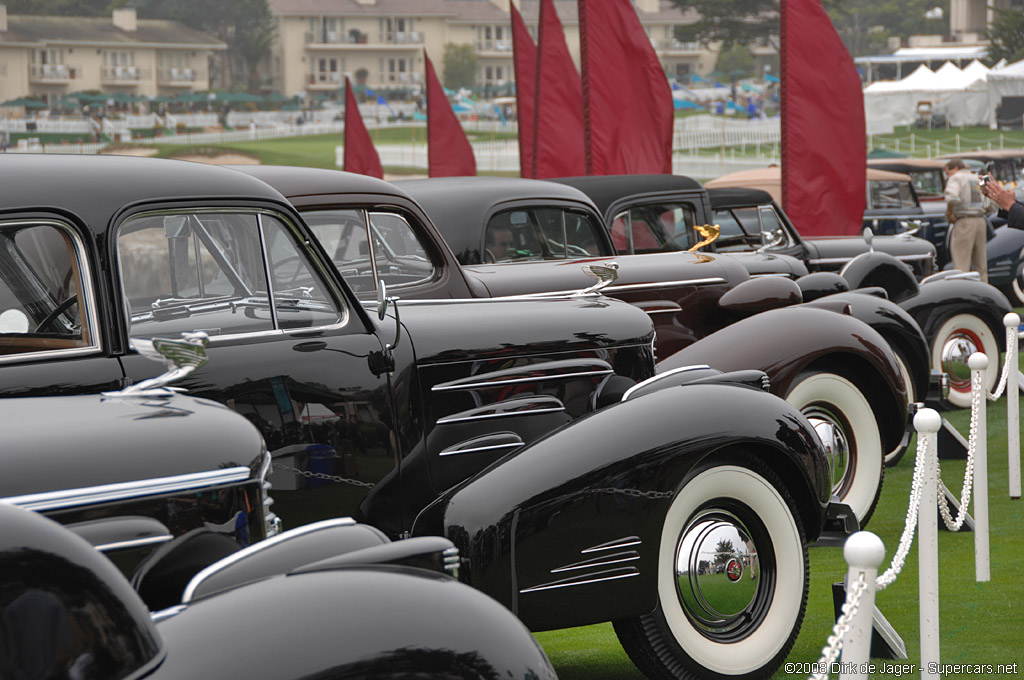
[558,103]
[448,151]
[627,102]
[824,158]
[360,156]
[524,61]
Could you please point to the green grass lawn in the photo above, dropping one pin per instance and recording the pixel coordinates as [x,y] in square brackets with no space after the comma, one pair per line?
[980,623]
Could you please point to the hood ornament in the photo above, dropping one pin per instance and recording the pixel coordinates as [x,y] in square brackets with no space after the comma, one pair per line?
[605,274]
[181,356]
[708,232]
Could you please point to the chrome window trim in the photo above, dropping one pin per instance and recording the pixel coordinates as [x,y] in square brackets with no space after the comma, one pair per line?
[235,557]
[327,277]
[517,381]
[87,292]
[104,493]
[662,376]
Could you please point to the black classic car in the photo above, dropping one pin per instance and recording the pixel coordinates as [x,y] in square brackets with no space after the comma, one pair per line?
[1005,247]
[534,434]
[704,307]
[957,315]
[346,603]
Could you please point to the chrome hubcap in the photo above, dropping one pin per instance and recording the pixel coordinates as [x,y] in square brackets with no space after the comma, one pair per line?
[957,349]
[837,446]
[717,572]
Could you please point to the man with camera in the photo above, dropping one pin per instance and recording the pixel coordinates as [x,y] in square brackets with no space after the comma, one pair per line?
[965,209]
[1009,207]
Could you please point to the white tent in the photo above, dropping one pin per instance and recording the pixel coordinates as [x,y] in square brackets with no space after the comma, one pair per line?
[1007,81]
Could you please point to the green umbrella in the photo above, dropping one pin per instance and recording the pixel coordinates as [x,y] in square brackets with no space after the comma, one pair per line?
[276,96]
[25,102]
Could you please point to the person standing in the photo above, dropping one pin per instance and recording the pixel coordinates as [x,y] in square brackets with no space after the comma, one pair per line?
[965,209]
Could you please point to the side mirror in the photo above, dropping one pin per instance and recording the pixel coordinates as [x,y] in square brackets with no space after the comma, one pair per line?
[382,299]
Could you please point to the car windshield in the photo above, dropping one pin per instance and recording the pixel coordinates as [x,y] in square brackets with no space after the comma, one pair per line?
[891,195]
[928,182]
[653,228]
[540,233]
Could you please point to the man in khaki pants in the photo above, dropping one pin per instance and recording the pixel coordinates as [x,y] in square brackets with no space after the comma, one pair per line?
[965,209]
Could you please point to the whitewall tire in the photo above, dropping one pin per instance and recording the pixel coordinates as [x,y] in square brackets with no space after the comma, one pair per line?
[958,337]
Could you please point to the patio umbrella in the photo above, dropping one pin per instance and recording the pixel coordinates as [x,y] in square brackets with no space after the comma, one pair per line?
[25,102]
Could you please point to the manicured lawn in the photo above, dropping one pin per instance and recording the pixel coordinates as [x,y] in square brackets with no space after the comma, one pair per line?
[980,623]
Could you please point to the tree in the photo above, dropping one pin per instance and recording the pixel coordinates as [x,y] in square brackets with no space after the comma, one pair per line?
[246,26]
[735,62]
[745,22]
[1006,37]
[459,66]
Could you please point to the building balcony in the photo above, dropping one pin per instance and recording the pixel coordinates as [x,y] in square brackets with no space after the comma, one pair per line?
[402,79]
[499,46]
[356,40]
[51,74]
[179,77]
[325,80]
[673,46]
[123,75]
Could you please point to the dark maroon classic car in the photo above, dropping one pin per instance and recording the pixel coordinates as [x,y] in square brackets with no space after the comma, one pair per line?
[957,314]
[548,239]
[578,485]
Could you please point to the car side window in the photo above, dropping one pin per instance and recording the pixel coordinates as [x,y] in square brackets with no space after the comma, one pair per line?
[209,271]
[44,301]
[548,233]
[394,254]
[731,236]
[654,228]
[886,195]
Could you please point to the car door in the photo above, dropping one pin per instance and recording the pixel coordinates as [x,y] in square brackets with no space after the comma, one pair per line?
[286,349]
[53,339]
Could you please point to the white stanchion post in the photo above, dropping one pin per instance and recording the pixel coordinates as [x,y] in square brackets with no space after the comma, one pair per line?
[1012,322]
[978,363]
[928,422]
[864,552]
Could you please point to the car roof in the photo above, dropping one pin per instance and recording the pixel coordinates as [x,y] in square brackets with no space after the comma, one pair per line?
[294,181]
[606,190]
[97,187]
[729,197]
[770,179]
[905,165]
[458,206]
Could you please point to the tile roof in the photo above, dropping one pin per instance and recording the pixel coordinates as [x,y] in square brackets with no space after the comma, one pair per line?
[22,28]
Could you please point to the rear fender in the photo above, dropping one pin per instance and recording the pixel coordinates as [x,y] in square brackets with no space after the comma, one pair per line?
[942,298]
[565,532]
[785,342]
[881,269]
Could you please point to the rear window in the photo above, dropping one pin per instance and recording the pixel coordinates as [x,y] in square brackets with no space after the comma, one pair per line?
[891,195]
[543,233]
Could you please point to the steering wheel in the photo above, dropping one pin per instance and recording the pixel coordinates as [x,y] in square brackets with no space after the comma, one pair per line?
[285,260]
[57,311]
[489,256]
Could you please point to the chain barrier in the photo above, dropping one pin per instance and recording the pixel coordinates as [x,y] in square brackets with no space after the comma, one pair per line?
[323,476]
[977,386]
[1012,337]
[834,643]
[632,493]
[907,538]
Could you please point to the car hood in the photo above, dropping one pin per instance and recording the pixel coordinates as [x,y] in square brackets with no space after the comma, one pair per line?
[109,440]
[476,329]
[762,264]
[848,247]
[655,270]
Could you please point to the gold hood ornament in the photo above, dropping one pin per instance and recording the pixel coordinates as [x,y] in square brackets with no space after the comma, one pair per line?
[708,232]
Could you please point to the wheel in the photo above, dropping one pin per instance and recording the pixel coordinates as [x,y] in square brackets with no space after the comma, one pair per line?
[732,580]
[845,423]
[960,336]
[1016,290]
[896,454]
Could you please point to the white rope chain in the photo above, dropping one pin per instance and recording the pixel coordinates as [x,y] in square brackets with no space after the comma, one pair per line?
[830,652]
[1012,336]
[972,443]
[907,539]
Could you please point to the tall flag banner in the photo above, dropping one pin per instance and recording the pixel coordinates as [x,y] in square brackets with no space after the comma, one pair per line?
[524,63]
[558,103]
[448,151]
[359,154]
[824,159]
[627,101]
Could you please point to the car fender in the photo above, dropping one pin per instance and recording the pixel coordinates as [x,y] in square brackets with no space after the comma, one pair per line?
[354,622]
[881,269]
[894,324]
[939,299]
[566,532]
[845,345]
[1004,255]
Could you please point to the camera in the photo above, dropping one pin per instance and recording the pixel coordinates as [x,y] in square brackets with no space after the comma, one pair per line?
[985,179]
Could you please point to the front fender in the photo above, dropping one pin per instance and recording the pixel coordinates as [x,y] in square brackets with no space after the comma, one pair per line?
[786,342]
[883,270]
[894,324]
[937,300]
[1003,252]
[565,532]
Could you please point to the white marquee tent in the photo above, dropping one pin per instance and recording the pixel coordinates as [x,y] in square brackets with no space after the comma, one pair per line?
[967,96]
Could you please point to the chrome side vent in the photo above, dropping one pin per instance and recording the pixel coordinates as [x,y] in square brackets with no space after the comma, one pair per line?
[452,561]
[497,442]
[527,406]
[548,370]
[594,569]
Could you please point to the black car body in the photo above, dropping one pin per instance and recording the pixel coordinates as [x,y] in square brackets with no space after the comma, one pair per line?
[366,611]
[413,419]
[691,297]
[957,315]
